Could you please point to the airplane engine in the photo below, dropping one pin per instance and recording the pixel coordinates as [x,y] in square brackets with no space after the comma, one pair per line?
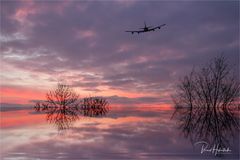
[146,29]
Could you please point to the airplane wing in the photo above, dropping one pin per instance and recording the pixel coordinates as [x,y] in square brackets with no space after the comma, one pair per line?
[140,31]
[158,27]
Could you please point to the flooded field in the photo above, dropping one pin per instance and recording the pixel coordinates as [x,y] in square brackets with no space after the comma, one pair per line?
[120,133]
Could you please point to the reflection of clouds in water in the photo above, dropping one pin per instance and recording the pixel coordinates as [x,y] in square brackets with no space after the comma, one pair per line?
[129,133]
[24,134]
[134,136]
[89,141]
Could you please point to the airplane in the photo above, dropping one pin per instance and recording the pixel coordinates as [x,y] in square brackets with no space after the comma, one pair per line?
[146,29]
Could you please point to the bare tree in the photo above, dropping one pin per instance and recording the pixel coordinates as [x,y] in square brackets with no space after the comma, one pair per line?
[61,107]
[94,106]
[206,102]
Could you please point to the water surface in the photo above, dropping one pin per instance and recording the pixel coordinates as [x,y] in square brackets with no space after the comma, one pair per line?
[121,133]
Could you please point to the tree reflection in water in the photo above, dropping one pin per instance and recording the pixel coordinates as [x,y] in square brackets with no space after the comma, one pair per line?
[63,107]
[94,106]
[206,104]
[201,124]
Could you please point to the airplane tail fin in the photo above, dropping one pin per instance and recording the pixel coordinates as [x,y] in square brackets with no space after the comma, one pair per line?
[145,25]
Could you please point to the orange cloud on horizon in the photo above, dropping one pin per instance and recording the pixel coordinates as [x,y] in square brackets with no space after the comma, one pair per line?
[20,95]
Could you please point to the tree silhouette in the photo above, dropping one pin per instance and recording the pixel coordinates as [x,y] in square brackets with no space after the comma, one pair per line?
[206,103]
[61,107]
[94,106]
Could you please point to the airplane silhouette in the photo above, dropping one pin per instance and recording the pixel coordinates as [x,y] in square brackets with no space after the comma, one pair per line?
[146,29]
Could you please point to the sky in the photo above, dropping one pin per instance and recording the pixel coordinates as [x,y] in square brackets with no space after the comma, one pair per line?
[84,44]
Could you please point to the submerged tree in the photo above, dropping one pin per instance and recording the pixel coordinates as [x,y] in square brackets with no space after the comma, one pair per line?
[206,103]
[62,106]
[94,106]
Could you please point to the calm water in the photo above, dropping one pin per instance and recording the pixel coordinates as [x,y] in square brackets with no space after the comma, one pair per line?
[121,133]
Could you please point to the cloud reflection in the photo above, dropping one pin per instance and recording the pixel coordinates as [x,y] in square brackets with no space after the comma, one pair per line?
[128,133]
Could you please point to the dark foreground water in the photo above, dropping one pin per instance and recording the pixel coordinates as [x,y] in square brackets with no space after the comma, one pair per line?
[123,133]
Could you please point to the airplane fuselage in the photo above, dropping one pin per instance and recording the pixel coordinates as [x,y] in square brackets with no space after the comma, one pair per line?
[146,29]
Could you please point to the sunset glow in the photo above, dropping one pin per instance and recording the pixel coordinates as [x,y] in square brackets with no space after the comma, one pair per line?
[132,55]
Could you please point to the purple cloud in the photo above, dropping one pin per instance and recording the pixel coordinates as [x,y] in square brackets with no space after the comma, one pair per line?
[56,38]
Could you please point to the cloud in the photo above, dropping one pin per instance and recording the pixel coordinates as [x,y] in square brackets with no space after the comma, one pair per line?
[20,94]
[5,107]
[79,39]
[139,100]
